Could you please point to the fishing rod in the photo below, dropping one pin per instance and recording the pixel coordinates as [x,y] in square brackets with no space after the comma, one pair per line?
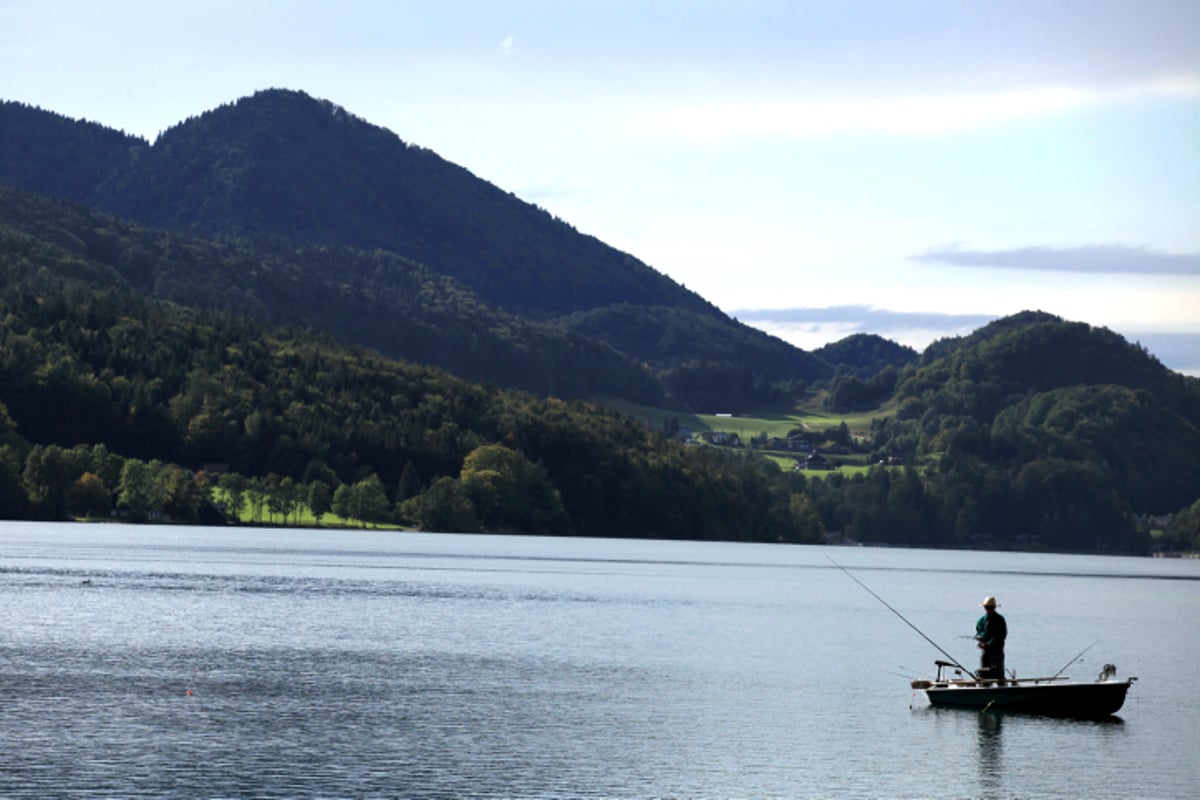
[953,661]
[1076,658]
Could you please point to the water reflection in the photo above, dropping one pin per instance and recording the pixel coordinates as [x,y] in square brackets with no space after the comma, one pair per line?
[989,744]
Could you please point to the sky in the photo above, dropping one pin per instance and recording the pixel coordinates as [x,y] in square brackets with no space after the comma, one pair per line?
[815,168]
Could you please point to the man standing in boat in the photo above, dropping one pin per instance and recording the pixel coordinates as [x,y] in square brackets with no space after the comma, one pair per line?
[990,632]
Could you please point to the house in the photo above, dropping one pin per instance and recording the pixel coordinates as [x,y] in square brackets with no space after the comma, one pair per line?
[798,442]
[817,461]
[723,438]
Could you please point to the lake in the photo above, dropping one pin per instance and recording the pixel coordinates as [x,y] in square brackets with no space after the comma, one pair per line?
[219,663]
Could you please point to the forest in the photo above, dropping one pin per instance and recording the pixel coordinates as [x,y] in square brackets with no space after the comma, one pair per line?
[242,331]
[92,371]
[390,246]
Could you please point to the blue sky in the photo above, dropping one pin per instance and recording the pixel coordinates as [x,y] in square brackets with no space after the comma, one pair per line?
[816,168]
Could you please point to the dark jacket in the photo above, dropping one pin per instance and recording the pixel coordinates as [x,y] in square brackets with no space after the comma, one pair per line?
[990,631]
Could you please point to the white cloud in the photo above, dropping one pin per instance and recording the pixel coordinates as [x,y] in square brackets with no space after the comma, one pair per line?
[507,47]
[904,115]
[1111,258]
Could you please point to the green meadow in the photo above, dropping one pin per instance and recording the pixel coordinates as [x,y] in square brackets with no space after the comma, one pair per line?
[809,416]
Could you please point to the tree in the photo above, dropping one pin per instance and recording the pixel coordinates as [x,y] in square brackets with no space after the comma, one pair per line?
[1183,531]
[369,499]
[805,519]
[137,491]
[508,491]
[444,506]
[234,486]
[12,494]
[343,501]
[106,465]
[180,495]
[47,478]
[410,483]
[89,496]
[320,499]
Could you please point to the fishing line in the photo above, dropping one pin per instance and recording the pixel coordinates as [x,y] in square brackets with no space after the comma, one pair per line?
[1076,658]
[953,661]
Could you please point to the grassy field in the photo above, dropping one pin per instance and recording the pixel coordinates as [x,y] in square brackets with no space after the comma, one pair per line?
[849,465]
[808,416]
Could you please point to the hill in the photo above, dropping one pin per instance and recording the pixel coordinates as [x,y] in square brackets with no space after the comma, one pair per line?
[402,309]
[101,387]
[49,153]
[1036,432]
[715,364]
[865,355]
[1005,360]
[283,166]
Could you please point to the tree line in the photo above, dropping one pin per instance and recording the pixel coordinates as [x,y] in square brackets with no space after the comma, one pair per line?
[87,361]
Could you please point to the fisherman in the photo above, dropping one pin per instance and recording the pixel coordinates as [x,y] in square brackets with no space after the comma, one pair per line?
[990,632]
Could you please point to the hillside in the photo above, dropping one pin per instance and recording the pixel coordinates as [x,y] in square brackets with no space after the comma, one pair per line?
[162,342]
[1037,432]
[400,308]
[47,152]
[865,355]
[712,363]
[99,384]
[282,166]
[1000,363]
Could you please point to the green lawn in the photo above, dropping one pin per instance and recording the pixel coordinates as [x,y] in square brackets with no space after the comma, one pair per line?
[305,519]
[809,416]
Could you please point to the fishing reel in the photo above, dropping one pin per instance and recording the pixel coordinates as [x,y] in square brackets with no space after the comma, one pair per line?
[1106,672]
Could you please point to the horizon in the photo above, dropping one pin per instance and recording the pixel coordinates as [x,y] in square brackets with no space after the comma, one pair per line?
[814,172]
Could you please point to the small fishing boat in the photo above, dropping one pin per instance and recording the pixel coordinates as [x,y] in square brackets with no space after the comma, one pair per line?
[1056,696]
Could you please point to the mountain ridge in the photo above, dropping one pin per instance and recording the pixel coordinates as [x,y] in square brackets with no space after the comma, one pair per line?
[280,165]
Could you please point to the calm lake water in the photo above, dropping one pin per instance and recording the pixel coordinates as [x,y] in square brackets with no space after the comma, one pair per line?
[201,663]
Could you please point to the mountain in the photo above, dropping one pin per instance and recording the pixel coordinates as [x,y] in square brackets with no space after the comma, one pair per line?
[378,299]
[283,166]
[980,374]
[49,153]
[1014,322]
[1039,432]
[100,385]
[715,363]
[280,164]
[865,355]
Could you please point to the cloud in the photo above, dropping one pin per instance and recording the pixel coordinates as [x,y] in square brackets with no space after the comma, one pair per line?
[933,114]
[864,318]
[1104,258]
[507,47]
[811,328]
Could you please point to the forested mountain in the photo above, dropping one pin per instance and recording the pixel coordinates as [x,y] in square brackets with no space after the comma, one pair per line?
[1038,432]
[96,379]
[49,153]
[378,299]
[126,343]
[865,355]
[283,166]
[715,365]
[1002,362]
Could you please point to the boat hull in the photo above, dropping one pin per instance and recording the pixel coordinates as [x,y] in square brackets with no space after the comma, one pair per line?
[1084,700]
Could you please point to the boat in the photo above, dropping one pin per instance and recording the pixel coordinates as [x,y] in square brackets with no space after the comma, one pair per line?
[1055,696]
